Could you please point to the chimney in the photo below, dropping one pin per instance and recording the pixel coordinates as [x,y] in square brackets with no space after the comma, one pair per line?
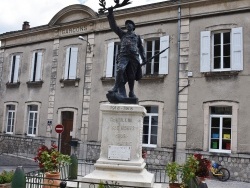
[26,25]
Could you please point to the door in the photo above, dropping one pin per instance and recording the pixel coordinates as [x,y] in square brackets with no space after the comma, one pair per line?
[67,122]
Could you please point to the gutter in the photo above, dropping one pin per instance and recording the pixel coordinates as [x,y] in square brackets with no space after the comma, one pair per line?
[177,82]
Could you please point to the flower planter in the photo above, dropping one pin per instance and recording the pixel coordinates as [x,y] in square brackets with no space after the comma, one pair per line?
[6,185]
[51,180]
[174,185]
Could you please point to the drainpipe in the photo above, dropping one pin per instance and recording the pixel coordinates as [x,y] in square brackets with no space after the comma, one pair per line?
[177,81]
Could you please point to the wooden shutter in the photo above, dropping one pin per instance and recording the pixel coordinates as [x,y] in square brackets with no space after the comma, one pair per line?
[73,63]
[32,66]
[110,59]
[143,68]
[237,49]
[163,60]
[38,66]
[66,68]
[205,60]
[16,68]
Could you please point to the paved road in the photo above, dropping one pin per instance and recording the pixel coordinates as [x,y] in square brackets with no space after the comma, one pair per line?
[26,168]
[212,183]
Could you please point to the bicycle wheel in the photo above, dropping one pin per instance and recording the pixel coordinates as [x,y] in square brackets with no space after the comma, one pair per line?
[224,174]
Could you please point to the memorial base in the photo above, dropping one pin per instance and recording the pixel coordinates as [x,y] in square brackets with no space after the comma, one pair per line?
[120,177]
[121,159]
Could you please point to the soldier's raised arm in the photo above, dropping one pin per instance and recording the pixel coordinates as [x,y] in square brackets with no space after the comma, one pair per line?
[112,23]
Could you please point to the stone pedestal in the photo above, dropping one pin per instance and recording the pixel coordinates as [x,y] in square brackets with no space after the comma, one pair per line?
[121,148]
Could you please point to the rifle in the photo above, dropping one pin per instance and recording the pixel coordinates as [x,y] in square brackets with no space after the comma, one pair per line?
[149,59]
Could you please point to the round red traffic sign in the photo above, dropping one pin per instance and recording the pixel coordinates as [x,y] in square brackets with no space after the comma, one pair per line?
[59,128]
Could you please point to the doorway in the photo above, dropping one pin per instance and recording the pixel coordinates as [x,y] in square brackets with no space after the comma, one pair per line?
[67,122]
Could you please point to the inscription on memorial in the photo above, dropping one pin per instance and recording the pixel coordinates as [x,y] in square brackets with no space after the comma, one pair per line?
[119,152]
[121,108]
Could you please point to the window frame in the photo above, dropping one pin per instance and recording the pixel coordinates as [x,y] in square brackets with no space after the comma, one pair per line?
[234,123]
[150,115]
[221,117]
[5,118]
[153,52]
[33,126]
[160,106]
[27,118]
[222,51]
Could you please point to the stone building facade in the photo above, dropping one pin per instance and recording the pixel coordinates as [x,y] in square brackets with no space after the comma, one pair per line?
[195,93]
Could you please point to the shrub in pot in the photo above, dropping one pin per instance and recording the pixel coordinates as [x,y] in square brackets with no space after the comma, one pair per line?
[173,169]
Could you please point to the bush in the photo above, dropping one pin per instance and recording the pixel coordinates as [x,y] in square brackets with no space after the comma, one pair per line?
[6,177]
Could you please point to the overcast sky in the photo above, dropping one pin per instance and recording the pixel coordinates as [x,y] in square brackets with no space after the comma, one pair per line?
[39,12]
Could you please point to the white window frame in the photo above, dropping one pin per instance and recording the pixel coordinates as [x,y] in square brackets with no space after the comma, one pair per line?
[160,106]
[236,51]
[5,118]
[14,68]
[71,63]
[152,62]
[222,51]
[234,124]
[27,118]
[150,115]
[36,66]
[220,150]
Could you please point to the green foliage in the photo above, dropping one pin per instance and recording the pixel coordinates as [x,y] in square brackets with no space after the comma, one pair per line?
[173,170]
[6,176]
[188,170]
[101,185]
[51,159]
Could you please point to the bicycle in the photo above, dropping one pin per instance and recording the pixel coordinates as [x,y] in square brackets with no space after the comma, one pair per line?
[220,172]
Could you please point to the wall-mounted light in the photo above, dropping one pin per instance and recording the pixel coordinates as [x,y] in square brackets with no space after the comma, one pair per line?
[89,46]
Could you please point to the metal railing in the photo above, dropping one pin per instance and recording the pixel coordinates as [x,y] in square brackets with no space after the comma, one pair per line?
[35,179]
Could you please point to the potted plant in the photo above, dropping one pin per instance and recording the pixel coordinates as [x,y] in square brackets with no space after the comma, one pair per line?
[6,178]
[172,170]
[50,160]
[203,167]
[188,170]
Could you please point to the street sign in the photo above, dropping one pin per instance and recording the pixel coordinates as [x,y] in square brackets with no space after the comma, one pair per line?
[59,128]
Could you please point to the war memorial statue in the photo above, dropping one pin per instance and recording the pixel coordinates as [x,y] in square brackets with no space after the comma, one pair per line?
[128,62]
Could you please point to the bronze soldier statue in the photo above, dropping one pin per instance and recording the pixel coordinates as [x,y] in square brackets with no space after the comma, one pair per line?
[128,63]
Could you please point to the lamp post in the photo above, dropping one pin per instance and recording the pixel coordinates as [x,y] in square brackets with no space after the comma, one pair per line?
[89,46]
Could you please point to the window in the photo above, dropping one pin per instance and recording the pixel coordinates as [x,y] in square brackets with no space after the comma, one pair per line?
[226,53]
[152,48]
[220,129]
[11,114]
[71,63]
[32,119]
[14,69]
[150,126]
[158,65]
[220,126]
[36,72]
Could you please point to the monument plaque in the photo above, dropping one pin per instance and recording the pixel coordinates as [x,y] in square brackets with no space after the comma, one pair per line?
[119,152]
